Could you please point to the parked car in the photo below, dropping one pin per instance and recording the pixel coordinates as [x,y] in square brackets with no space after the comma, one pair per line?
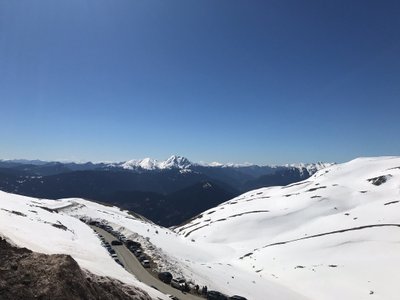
[116,243]
[138,252]
[214,295]
[133,248]
[178,283]
[108,228]
[146,263]
[130,243]
[236,297]
[165,277]
[142,258]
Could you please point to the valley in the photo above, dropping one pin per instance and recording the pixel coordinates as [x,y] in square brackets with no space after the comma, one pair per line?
[283,242]
[158,190]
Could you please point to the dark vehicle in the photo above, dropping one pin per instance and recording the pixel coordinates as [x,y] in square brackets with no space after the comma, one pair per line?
[146,263]
[133,249]
[214,295]
[165,277]
[236,297]
[111,251]
[142,258]
[130,243]
[116,243]
[178,283]
[108,228]
[138,252]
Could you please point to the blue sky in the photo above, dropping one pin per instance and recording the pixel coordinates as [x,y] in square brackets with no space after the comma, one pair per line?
[230,81]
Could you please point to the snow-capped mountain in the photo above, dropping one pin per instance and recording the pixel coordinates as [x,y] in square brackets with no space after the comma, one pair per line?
[180,162]
[311,168]
[177,162]
[146,164]
[130,183]
[332,236]
[173,162]
[150,164]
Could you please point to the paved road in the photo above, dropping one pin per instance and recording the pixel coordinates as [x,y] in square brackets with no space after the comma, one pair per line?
[133,266]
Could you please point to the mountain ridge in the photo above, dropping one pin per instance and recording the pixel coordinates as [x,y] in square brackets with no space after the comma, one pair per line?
[172,162]
[308,240]
[130,184]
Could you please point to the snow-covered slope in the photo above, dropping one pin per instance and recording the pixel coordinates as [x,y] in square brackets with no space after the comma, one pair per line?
[31,223]
[308,240]
[199,263]
[335,235]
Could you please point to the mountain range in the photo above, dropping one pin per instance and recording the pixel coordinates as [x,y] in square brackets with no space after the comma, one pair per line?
[332,236]
[167,192]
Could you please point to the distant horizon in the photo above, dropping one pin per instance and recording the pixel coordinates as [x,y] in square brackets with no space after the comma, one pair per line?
[191,160]
[269,82]
[157,159]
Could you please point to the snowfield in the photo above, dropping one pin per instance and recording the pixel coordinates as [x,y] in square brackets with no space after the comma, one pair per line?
[31,223]
[335,236]
[293,235]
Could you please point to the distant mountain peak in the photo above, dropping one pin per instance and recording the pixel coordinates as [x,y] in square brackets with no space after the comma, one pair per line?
[310,167]
[181,163]
[176,162]
[146,164]
[173,162]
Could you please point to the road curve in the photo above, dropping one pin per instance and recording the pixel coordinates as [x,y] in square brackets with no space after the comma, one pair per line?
[133,266]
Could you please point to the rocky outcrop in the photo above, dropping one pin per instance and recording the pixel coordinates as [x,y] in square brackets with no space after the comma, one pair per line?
[28,275]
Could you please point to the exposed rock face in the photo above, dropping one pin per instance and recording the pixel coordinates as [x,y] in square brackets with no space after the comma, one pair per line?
[26,275]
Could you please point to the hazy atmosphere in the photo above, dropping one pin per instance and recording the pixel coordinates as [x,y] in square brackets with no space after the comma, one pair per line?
[229,81]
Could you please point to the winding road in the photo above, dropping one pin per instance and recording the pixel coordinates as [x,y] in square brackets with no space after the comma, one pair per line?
[133,266]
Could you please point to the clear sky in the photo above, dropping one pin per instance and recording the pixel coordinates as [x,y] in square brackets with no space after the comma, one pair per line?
[212,80]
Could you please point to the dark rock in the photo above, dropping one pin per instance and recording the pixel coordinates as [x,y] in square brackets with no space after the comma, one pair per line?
[379,180]
[26,275]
